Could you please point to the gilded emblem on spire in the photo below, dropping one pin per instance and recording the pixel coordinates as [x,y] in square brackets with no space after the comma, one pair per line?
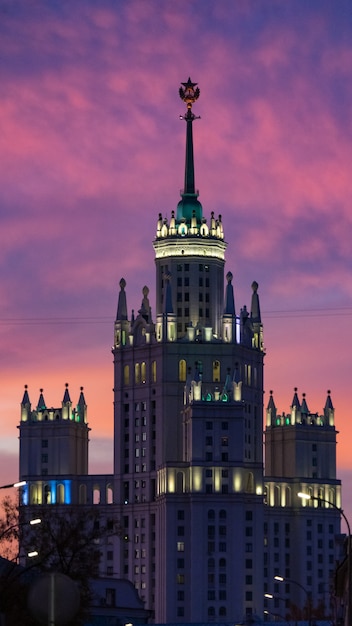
[189,93]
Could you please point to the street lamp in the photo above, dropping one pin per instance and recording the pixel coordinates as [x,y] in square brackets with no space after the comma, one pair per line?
[276,615]
[22,483]
[307,496]
[31,522]
[281,579]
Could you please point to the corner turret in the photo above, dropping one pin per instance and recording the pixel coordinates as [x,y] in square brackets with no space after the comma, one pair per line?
[66,404]
[25,406]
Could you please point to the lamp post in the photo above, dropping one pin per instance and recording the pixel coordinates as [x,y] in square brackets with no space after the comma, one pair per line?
[307,496]
[16,485]
[31,522]
[281,579]
[276,615]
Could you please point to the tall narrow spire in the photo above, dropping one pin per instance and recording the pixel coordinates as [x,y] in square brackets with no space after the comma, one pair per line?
[122,302]
[189,93]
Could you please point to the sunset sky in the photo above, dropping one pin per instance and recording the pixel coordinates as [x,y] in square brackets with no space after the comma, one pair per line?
[92,149]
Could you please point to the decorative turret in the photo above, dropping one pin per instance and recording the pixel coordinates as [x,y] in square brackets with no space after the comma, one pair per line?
[81,411]
[41,406]
[304,407]
[295,408]
[329,411]
[229,317]
[256,319]
[66,404]
[25,406]
[271,411]
[121,330]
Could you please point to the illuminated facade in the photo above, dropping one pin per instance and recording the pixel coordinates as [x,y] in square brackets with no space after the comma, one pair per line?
[202,519]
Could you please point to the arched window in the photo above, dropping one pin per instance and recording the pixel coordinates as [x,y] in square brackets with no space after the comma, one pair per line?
[211,563]
[216,371]
[182,370]
[126,375]
[82,494]
[34,499]
[47,495]
[222,563]
[137,373]
[143,372]
[250,483]
[211,611]
[109,494]
[60,494]
[96,494]
[222,514]
[211,514]
[154,371]
[222,611]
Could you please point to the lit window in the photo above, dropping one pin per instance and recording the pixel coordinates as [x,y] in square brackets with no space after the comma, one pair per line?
[154,371]
[143,372]
[216,371]
[182,370]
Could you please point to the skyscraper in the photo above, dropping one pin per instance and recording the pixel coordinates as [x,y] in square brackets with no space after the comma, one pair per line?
[206,528]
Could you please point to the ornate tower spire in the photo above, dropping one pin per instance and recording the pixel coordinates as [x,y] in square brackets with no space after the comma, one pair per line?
[189,206]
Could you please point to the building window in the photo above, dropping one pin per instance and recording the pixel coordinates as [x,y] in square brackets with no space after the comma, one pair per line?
[126,375]
[154,371]
[180,579]
[182,370]
[44,443]
[180,546]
